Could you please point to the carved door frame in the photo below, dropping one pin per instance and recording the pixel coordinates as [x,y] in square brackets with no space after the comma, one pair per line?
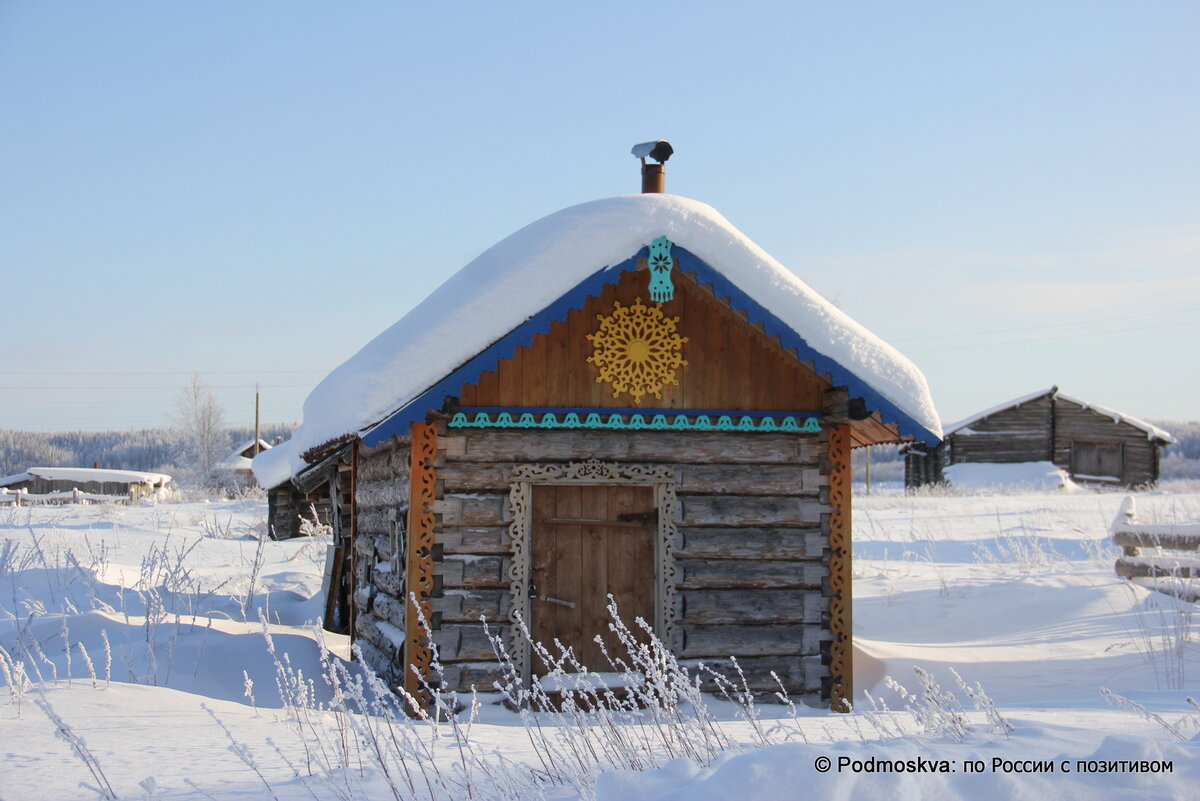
[520,496]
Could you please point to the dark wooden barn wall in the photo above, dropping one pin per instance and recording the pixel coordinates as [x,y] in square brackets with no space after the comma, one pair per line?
[286,505]
[44,486]
[381,493]
[1019,434]
[1077,424]
[730,364]
[751,557]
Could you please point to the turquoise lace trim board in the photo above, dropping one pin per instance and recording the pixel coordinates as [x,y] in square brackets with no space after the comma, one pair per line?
[636,422]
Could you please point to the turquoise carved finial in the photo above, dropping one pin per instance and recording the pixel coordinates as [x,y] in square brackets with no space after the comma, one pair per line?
[660,263]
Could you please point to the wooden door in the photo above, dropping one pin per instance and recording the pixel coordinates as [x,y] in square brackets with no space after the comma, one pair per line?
[590,541]
[1097,459]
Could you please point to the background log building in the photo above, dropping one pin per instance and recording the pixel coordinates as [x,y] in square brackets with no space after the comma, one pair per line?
[1095,445]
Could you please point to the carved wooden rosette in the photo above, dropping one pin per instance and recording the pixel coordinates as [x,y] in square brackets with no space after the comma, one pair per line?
[419,558]
[592,471]
[841,667]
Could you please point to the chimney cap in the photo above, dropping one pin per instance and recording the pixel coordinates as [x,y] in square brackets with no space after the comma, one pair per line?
[660,150]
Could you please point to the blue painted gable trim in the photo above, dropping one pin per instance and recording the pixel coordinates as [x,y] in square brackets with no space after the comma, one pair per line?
[504,348]
[772,326]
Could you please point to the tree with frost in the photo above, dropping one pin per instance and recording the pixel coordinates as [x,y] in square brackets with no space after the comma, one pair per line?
[203,439]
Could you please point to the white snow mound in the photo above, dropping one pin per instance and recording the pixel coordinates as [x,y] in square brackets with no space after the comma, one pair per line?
[1028,475]
[532,268]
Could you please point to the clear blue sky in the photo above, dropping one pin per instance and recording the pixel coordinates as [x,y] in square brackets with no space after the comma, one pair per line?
[1007,191]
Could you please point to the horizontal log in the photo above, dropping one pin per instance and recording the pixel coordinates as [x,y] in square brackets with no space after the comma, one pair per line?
[483,677]
[640,446]
[1166,539]
[728,574]
[467,606]
[457,509]
[385,606]
[708,607]
[474,539]
[472,571]
[750,543]
[377,494]
[746,641]
[466,643]
[1157,567]
[733,479]
[388,581]
[376,521]
[741,510]
[383,464]
[747,479]
[800,675]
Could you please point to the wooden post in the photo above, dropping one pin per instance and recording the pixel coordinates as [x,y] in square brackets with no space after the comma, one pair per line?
[868,450]
[418,582]
[841,620]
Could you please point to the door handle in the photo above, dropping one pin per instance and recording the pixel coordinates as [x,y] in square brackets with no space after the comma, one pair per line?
[559,601]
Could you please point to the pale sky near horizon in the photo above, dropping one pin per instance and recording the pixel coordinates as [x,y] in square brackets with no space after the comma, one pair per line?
[1006,192]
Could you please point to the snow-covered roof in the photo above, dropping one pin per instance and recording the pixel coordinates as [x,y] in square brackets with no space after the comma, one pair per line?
[235,461]
[17,478]
[1152,431]
[1012,404]
[534,267]
[241,450]
[83,474]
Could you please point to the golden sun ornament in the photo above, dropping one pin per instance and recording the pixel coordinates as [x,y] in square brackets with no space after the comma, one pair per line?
[637,350]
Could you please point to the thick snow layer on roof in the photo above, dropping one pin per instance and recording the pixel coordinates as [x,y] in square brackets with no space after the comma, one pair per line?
[532,268]
[83,474]
[1152,431]
[17,478]
[975,418]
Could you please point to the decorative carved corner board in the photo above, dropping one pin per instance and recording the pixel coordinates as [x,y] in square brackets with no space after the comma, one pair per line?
[841,621]
[418,575]
[523,480]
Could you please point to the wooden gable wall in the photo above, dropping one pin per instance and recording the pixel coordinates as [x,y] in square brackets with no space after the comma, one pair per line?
[730,365]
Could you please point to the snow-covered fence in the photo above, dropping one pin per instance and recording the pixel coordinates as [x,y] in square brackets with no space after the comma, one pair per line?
[1169,570]
[24,497]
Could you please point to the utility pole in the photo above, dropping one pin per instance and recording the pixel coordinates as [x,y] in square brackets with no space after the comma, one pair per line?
[256,423]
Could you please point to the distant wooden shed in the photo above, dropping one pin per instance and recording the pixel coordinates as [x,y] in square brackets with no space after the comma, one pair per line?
[1093,444]
[627,398]
[132,485]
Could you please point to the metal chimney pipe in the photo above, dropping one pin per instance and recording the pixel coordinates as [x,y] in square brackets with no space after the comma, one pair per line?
[654,178]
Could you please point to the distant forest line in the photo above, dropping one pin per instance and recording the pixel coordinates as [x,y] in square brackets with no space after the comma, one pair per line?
[158,450]
[155,450]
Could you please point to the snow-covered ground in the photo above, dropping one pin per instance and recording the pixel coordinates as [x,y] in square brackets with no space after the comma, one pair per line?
[137,664]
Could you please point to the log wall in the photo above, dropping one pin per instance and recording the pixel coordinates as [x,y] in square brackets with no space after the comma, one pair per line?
[286,505]
[1076,424]
[751,557]
[1019,434]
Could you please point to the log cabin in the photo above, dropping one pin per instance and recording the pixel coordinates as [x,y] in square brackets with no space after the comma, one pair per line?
[627,398]
[1095,445]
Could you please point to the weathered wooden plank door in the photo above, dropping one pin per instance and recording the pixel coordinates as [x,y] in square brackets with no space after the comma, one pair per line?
[590,541]
[1097,459]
